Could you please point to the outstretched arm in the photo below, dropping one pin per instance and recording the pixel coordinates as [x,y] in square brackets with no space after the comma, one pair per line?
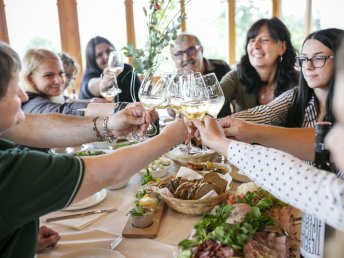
[56,130]
[296,141]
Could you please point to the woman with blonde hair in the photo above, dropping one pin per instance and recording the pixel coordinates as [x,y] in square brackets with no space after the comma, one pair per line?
[44,79]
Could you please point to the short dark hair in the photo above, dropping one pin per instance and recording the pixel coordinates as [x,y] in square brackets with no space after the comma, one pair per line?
[90,52]
[9,63]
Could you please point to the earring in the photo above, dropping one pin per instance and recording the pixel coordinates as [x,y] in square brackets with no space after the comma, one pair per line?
[281,59]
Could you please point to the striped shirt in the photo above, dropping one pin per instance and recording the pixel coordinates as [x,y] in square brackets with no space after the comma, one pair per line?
[276,112]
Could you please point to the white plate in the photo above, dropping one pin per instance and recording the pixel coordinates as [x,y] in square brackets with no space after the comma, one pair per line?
[88,202]
[159,172]
[93,253]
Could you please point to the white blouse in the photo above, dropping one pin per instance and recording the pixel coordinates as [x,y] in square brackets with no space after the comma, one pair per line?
[291,180]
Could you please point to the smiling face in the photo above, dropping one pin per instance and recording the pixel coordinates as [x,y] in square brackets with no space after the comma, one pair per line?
[263,50]
[48,78]
[102,52]
[317,77]
[188,54]
[10,104]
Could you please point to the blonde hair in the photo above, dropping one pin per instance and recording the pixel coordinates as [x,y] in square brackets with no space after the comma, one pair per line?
[33,58]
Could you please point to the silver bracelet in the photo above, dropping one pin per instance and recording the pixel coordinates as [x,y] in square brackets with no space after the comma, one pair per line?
[95,130]
[109,138]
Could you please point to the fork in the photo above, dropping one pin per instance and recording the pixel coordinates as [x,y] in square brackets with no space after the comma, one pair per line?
[115,243]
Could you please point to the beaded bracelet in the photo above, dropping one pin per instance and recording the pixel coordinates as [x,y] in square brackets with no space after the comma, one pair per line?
[109,138]
[95,130]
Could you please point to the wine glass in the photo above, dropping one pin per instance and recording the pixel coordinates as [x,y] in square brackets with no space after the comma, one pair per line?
[109,89]
[216,97]
[195,101]
[153,95]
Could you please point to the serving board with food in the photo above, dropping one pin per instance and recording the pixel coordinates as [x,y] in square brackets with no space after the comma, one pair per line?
[251,223]
[150,231]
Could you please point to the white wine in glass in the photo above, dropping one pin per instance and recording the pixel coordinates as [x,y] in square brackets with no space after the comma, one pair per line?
[194,110]
[215,106]
[109,90]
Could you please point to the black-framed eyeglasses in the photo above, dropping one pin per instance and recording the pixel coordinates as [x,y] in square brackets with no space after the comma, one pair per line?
[317,61]
[189,51]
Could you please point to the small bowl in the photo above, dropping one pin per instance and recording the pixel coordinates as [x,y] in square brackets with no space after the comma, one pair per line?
[142,221]
[157,169]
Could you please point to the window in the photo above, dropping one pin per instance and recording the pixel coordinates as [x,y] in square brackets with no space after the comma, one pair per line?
[324,17]
[293,14]
[105,18]
[212,30]
[246,13]
[29,30]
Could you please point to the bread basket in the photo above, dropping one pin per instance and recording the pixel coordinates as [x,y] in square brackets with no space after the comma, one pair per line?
[194,207]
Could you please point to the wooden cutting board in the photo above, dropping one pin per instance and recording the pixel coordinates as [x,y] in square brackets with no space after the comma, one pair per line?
[149,232]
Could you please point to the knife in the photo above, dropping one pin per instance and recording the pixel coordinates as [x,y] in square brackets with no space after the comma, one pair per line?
[77,215]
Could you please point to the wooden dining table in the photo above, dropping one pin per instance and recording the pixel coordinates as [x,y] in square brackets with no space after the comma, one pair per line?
[174,227]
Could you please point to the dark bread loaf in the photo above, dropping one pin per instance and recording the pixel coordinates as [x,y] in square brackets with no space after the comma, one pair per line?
[215,179]
[203,189]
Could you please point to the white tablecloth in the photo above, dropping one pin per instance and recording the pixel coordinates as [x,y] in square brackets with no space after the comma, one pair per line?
[174,228]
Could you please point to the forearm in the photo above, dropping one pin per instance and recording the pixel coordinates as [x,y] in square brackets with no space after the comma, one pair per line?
[53,130]
[100,109]
[110,169]
[299,142]
[292,181]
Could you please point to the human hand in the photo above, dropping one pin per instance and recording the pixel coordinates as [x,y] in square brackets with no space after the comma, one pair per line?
[238,129]
[175,131]
[128,120]
[210,130]
[47,238]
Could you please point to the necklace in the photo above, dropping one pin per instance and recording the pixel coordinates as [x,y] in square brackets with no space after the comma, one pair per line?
[265,92]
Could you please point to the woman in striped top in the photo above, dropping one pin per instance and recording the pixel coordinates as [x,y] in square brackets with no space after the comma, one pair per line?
[300,107]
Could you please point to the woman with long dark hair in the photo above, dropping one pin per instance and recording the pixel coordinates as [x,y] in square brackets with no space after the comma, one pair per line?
[97,54]
[267,68]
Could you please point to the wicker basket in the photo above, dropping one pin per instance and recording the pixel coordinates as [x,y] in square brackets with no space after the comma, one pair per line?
[194,207]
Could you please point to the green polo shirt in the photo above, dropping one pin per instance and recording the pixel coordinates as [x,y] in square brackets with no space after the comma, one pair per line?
[32,184]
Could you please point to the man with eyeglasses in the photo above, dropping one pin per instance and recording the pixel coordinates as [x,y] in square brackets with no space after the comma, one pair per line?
[187,52]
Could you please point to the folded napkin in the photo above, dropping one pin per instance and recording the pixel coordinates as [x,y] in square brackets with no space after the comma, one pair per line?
[81,222]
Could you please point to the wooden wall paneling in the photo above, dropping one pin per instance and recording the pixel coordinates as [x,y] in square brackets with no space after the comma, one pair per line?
[182,12]
[308,17]
[3,24]
[276,8]
[69,31]
[130,24]
[231,32]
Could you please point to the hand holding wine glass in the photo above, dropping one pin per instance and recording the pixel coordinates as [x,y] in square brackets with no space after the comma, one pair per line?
[153,95]
[195,101]
[108,86]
